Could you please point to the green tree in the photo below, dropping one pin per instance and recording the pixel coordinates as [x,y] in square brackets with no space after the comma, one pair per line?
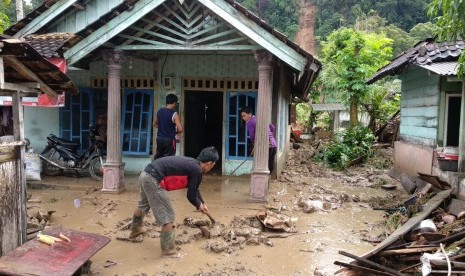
[350,57]
[333,14]
[421,31]
[6,11]
[281,14]
[449,16]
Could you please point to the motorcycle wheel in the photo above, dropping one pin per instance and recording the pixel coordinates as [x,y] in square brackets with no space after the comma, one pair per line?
[96,168]
[50,169]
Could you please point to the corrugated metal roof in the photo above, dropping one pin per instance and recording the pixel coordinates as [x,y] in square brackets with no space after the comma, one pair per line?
[424,53]
[442,68]
[328,107]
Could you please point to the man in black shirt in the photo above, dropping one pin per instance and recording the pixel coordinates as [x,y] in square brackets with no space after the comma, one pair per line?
[153,193]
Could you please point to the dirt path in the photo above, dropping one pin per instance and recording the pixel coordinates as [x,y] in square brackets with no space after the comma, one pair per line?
[325,215]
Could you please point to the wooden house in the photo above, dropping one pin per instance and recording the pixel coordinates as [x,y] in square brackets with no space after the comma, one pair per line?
[126,56]
[23,72]
[432,114]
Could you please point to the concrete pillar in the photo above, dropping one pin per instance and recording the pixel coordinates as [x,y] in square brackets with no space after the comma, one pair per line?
[260,173]
[113,174]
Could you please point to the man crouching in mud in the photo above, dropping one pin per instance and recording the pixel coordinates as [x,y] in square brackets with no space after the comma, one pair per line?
[153,194]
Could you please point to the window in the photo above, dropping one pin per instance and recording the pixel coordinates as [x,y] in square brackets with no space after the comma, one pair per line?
[237,143]
[137,121]
[76,116]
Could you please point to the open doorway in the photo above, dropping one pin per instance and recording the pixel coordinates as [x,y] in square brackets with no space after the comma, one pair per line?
[451,132]
[203,123]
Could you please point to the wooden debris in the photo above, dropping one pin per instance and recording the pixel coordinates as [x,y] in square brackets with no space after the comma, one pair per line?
[379,267]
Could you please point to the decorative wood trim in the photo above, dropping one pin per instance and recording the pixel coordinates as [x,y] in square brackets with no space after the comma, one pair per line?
[130,82]
[203,84]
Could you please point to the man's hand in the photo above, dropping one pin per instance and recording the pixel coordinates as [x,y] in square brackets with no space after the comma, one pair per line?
[203,208]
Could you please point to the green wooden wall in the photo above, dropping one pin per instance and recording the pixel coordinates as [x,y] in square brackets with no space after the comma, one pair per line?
[79,19]
[420,107]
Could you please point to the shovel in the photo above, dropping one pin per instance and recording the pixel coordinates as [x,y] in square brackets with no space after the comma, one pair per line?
[210,217]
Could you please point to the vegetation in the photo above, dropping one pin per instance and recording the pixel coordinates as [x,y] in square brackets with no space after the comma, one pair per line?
[350,57]
[449,16]
[347,148]
[333,14]
[281,14]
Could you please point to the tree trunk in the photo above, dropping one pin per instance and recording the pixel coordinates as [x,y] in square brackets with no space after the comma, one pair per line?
[19,10]
[353,112]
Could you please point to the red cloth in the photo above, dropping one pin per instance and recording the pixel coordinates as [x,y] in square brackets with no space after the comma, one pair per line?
[171,183]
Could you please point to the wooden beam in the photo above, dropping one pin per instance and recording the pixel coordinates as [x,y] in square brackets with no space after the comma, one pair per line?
[19,87]
[432,204]
[109,30]
[22,69]
[371,263]
[42,20]
[256,33]
[191,47]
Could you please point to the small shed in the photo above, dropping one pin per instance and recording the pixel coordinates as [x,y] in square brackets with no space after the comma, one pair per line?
[23,72]
[432,120]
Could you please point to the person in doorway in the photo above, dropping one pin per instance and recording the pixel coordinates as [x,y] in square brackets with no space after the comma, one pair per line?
[153,193]
[251,123]
[169,126]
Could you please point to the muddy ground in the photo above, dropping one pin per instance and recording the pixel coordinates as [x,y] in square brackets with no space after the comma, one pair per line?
[317,212]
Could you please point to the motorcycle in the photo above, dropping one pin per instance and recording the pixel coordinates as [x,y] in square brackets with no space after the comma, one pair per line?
[61,155]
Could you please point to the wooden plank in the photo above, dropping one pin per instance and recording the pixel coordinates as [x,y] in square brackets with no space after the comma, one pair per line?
[420,121]
[372,264]
[191,48]
[426,100]
[362,268]
[420,132]
[408,251]
[63,258]
[432,204]
[424,111]
[18,131]
[44,18]
[109,30]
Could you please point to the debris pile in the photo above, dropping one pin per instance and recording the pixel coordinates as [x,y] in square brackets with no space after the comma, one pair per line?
[426,234]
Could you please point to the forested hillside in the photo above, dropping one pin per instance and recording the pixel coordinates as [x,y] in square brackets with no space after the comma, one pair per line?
[401,20]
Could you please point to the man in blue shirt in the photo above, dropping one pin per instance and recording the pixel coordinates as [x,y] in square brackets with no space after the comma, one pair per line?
[169,125]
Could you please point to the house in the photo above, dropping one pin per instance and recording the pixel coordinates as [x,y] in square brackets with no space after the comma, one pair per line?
[126,56]
[23,73]
[431,114]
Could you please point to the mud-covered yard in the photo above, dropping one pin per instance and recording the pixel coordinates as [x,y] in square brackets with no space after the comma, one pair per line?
[315,213]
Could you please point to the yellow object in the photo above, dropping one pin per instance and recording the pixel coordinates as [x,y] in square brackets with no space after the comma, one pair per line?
[50,240]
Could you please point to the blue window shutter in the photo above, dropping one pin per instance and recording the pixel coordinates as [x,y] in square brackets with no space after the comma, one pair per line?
[136,123]
[76,116]
[237,142]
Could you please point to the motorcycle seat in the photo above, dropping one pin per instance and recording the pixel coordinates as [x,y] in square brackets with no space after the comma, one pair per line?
[64,142]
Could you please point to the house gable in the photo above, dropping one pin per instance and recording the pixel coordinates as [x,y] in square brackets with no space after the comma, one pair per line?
[202,25]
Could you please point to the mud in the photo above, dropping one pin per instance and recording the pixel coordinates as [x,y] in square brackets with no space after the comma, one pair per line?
[322,215]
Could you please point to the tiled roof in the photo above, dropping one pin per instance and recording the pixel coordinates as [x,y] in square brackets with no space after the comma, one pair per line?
[51,44]
[424,53]
[17,49]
